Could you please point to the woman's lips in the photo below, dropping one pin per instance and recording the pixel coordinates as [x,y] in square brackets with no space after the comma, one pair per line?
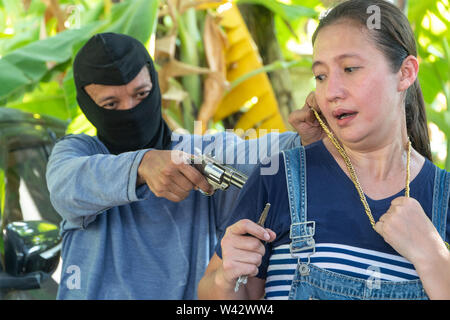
[344,116]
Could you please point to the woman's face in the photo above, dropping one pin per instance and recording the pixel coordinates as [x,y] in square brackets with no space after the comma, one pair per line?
[355,88]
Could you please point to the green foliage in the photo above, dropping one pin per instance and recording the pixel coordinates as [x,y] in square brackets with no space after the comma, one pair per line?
[36,75]
[431,24]
[25,67]
[136,18]
[430,20]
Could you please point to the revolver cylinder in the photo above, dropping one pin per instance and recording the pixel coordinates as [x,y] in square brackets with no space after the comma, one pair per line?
[220,176]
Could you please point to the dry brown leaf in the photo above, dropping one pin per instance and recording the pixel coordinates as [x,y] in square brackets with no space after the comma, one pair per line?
[55,10]
[175,68]
[165,47]
[170,7]
[174,5]
[215,84]
[174,94]
[213,90]
[26,4]
[215,44]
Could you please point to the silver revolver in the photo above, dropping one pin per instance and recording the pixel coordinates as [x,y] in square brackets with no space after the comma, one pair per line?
[220,176]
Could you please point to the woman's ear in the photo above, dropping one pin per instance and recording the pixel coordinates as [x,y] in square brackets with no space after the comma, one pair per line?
[408,72]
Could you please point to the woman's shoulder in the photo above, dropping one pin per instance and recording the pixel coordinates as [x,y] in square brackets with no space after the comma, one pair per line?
[313,148]
[432,170]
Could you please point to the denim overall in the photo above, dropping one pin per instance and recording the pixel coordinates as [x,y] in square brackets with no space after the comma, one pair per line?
[311,282]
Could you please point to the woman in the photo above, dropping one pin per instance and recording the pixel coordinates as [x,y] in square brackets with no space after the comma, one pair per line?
[361,214]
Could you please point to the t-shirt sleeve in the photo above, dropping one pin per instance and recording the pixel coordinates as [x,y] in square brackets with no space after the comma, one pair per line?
[84,183]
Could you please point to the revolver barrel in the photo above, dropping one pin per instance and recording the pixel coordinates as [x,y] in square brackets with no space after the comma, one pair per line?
[235,178]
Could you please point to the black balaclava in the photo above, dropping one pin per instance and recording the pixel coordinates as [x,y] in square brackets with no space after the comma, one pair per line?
[116,59]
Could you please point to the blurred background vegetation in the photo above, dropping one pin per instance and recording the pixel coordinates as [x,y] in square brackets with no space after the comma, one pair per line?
[229,65]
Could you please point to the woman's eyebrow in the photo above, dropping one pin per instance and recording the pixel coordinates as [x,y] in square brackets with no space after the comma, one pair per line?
[340,57]
[316,63]
[348,55]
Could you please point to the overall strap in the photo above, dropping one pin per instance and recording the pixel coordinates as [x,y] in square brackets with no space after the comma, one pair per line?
[302,230]
[440,201]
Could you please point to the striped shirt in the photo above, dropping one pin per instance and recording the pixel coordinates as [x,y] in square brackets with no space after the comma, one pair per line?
[343,259]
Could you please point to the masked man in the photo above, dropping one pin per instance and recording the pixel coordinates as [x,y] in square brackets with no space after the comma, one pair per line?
[134,224]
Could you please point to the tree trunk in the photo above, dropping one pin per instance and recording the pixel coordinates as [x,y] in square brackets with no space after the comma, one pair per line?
[261,24]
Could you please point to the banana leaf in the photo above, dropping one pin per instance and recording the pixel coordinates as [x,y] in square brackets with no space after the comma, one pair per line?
[28,65]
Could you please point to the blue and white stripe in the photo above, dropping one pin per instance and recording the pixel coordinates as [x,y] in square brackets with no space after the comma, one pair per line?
[344,259]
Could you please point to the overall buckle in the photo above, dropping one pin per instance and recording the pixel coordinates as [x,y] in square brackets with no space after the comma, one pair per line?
[305,241]
[301,243]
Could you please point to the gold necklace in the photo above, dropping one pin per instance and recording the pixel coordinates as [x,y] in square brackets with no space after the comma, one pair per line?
[352,172]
